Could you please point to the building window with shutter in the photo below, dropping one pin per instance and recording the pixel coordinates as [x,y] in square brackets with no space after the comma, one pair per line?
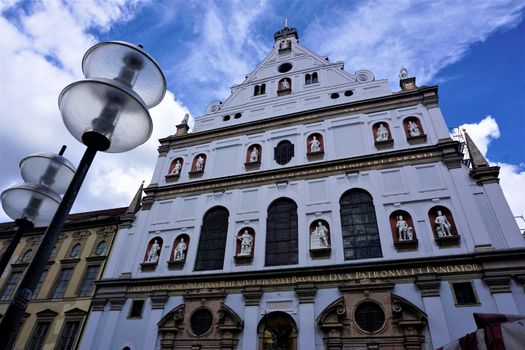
[284,152]
[281,233]
[62,282]
[212,241]
[88,282]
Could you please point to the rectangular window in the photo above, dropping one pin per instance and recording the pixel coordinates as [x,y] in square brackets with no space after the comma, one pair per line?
[68,336]
[136,308]
[86,287]
[464,293]
[39,336]
[40,283]
[61,284]
[10,286]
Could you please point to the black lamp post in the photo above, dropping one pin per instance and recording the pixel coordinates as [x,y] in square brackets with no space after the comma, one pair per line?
[108,111]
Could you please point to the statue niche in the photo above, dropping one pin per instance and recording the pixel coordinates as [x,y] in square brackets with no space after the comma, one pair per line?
[151,258]
[253,156]
[414,130]
[179,251]
[284,87]
[245,246]
[314,146]
[175,168]
[403,232]
[277,330]
[382,135]
[443,226]
[320,239]
[198,165]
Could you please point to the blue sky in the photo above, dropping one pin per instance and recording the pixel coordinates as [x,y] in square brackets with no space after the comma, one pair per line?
[474,51]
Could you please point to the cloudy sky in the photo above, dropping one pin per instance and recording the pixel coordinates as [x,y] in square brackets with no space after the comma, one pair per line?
[473,49]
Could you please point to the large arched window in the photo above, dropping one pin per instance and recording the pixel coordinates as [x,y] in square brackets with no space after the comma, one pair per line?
[212,242]
[281,233]
[359,225]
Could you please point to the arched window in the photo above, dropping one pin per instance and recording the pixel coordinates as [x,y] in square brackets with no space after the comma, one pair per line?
[101,248]
[176,167]
[359,225]
[284,152]
[277,330]
[281,233]
[256,90]
[262,89]
[212,241]
[315,79]
[307,79]
[153,251]
[75,251]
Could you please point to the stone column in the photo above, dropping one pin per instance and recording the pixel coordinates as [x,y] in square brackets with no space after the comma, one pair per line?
[429,286]
[252,297]
[158,300]
[306,334]
[107,334]
[500,288]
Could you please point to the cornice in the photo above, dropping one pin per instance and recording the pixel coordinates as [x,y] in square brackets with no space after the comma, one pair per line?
[425,95]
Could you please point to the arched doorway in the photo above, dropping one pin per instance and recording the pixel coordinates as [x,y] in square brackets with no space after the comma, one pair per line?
[277,331]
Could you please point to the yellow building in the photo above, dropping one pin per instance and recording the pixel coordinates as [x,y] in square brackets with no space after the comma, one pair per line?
[62,299]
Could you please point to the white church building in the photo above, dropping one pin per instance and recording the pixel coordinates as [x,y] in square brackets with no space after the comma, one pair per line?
[311,209]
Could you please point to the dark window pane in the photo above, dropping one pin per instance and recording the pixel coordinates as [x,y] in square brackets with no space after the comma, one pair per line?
[464,293]
[284,152]
[369,316]
[61,284]
[75,251]
[86,288]
[281,233]
[101,248]
[10,285]
[201,321]
[212,242]
[40,283]
[39,336]
[69,334]
[359,226]
[136,308]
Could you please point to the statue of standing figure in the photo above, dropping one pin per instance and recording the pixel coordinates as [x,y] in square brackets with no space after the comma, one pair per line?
[319,236]
[382,133]
[443,226]
[246,243]
[403,73]
[180,251]
[315,145]
[285,85]
[152,255]
[199,165]
[254,155]
[176,168]
[413,129]
[185,119]
[405,232]
[285,44]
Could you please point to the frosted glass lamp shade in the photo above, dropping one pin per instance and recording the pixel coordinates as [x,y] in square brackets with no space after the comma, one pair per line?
[128,64]
[33,202]
[101,107]
[48,169]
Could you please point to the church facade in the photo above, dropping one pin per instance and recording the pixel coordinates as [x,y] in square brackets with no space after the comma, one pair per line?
[312,209]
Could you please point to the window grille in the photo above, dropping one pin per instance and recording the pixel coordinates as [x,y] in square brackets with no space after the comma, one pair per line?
[284,152]
[212,242]
[86,288]
[201,321]
[10,285]
[61,284]
[281,234]
[359,226]
[369,316]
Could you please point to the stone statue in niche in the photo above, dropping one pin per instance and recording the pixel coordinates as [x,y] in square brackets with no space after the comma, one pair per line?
[285,44]
[246,243]
[405,232]
[315,145]
[179,254]
[403,73]
[185,119]
[443,226]
[152,255]
[176,168]
[285,85]
[254,155]
[382,133]
[413,129]
[199,165]
[319,237]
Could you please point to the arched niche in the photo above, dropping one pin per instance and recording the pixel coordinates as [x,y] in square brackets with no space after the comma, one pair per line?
[414,130]
[382,135]
[319,238]
[315,145]
[277,330]
[198,165]
[253,156]
[179,251]
[403,230]
[152,254]
[245,245]
[175,167]
[443,226]
[284,87]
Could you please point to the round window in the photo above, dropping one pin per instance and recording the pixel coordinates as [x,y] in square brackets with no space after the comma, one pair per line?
[101,248]
[334,96]
[285,67]
[201,321]
[369,316]
[75,251]
[27,256]
[284,152]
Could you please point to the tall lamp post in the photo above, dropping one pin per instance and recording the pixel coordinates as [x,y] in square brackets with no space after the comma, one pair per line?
[34,202]
[108,111]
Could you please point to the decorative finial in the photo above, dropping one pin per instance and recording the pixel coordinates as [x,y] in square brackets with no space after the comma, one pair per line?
[286,22]
[403,73]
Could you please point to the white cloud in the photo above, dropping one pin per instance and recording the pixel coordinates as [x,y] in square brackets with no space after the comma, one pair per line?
[512,177]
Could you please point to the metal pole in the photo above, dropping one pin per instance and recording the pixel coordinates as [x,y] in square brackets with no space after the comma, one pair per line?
[13,317]
[22,226]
